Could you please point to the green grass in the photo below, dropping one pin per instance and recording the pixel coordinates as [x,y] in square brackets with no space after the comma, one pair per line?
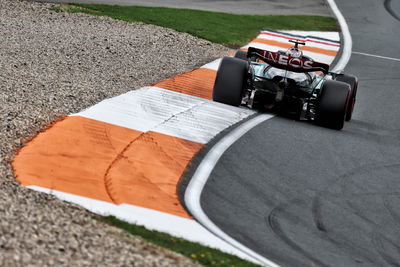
[202,254]
[223,28]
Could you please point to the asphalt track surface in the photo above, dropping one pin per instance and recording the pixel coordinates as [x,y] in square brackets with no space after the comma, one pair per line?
[260,7]
[303,195]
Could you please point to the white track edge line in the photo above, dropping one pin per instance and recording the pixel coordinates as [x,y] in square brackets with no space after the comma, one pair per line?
[197,182]
[347,41]
[201,175]
[377,56]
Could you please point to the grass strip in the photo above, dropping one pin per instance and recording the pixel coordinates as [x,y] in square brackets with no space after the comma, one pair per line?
[228,29]
[199,253]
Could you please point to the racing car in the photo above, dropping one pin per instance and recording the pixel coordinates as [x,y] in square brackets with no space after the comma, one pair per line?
[286,82]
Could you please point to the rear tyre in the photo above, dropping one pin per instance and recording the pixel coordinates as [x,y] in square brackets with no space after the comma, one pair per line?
[353,82]
[331,106]
[241,55]
[230,81]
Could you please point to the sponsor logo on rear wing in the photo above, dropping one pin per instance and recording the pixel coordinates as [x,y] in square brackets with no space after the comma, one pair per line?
[283,61]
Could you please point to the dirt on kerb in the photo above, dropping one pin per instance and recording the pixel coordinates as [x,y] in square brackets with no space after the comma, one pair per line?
[53,64]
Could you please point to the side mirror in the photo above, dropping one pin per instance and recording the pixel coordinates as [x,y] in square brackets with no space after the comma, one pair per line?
[336,73]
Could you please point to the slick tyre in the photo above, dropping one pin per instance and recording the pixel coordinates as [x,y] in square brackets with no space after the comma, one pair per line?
[230,81]
[331,106]
[353,82]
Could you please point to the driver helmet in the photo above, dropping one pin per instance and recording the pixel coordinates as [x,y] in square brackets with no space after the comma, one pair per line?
[294,52]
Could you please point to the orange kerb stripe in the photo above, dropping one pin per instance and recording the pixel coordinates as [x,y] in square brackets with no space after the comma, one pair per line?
[107,162]
[148,172]
[198,82]
[304,48]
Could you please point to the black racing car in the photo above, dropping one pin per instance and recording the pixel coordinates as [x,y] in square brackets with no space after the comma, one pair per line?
[287,82]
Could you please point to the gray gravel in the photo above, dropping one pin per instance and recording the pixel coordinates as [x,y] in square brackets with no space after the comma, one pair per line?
[53,64]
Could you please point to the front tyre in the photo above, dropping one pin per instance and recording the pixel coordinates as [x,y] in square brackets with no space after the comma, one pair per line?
[332,103]
[230,81]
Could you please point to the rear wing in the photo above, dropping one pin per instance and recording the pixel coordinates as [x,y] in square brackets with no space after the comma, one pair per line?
[283,61]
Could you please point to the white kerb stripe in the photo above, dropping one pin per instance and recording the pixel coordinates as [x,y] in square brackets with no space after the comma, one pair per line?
[212,65]
[164,111]
[330,36]
[202,122]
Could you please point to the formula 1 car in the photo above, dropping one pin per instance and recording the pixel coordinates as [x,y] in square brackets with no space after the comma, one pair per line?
[286,82]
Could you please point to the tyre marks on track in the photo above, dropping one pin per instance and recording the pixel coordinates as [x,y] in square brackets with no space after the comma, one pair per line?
[275,221]
[388,6]
[346,198]
[333,244]
[316,212]
[383,239]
